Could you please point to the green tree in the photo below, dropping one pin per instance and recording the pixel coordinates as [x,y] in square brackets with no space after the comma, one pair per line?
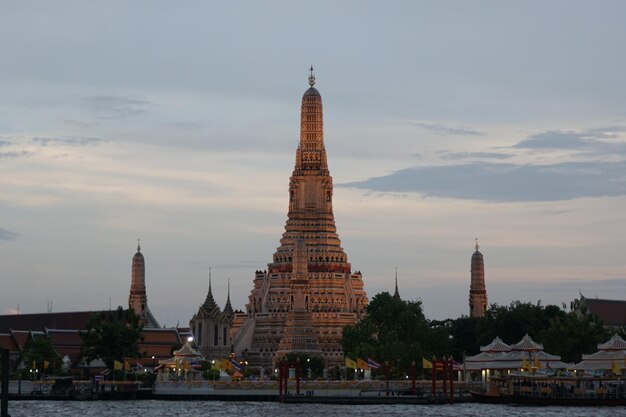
[513,322]
[112,335]
[36,353]
[393,331]
[573,334]
[567,334]
[208,371]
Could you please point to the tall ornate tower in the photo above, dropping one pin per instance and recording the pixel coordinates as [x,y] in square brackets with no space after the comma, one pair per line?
[478,291]
[137,299]
[308,294]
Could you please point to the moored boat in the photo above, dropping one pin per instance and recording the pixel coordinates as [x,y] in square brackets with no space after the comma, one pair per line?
[555,390]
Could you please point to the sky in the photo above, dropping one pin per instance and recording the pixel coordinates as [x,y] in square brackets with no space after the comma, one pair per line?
[176,122]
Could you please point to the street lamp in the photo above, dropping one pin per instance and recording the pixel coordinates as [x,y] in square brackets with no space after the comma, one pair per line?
[308,367]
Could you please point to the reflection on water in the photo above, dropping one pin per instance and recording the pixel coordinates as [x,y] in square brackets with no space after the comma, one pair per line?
[156,408]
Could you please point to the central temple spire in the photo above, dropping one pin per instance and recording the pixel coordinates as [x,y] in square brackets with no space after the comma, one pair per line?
[312,77]
[308,293]
[310,214]
[311,154]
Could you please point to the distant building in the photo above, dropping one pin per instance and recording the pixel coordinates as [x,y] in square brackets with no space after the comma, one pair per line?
[137,299]
[211,327]
[611,312]
[63,328]
[478,290]
[309,292]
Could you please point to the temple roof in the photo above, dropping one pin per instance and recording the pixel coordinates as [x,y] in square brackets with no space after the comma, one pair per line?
[209,303]
[614,343]
[396,293]
[228,308]
[41,321]
[188,351]
[496,345]
[527,343]
[7,342]
[611,312]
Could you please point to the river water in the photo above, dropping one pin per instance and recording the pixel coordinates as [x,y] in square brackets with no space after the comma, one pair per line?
[157,408]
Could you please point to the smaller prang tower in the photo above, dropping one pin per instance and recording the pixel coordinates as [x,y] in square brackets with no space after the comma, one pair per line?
[478,291]
[138,300]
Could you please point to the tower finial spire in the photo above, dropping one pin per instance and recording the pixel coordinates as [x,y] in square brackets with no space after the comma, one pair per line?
[477,244]
[396,293]
[228,308]
[138,245]
[311,77]
[209,279]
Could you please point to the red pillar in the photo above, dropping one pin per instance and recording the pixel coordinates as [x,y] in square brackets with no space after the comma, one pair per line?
[413,390]
[433,371]
[387,376]
[280,381]
[451,368]
[298,376]
[445,376]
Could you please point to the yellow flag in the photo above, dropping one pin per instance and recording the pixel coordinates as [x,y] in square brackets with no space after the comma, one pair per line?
[126,366]
[46,364]
[117,365]
[615,367]
[226,365]
[536,363]
[525,364]
[350,363]
[361,364]
[426,364]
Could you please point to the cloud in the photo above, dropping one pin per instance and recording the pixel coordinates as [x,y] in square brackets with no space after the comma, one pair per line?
[7,234]
[5,143]
[15,154]
[115,107]
[440,129]
[68,141]
[79,123]
[506,182]
[474,155]
[590,140]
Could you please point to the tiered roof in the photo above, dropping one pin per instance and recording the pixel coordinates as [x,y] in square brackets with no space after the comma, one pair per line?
[497,345]
[611,355]
[499,355]
[615,343]
[527,344]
